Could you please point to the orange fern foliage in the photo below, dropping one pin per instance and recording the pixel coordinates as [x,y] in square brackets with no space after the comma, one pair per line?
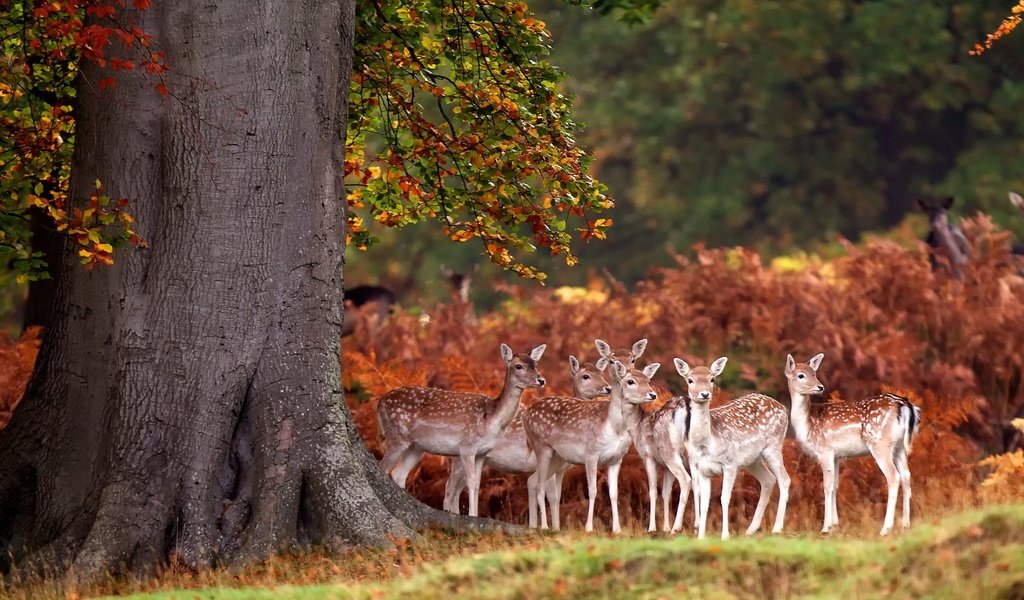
[16,361]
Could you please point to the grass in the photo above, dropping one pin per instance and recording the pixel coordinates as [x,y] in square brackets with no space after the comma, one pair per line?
[975,554]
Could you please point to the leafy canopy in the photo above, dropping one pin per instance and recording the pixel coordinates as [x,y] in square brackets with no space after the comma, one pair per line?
[455,115]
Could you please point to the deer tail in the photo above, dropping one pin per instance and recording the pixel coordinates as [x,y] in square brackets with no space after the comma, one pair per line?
[911,415]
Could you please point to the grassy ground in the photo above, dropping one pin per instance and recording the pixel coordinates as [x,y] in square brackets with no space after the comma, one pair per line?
[977,554]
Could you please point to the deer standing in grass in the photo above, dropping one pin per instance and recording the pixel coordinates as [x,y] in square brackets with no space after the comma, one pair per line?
[511,454]
[566,431]
[660,442]
[883,426]
[745,433]
[414,420]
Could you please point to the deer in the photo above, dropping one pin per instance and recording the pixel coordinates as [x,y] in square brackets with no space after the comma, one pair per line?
[511,454]
[415,420]
[626,356]
[943,235]
[564,431]
[746,433]
[374,302]
[883,426]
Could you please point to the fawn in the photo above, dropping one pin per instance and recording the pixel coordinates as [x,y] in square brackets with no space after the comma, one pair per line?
[511,454]
[883,426]
[563,431]
[747,432]
[414,420]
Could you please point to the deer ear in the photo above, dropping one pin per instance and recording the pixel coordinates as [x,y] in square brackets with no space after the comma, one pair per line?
[681,367]
[651,369]
[601,364]
[1016,200]
[638,349]
[718,366]
[922,204]
[506,353]
[790,365]
[816,361]
[618,370]
[603,348]
[947,202]
[537,352]
[574,365]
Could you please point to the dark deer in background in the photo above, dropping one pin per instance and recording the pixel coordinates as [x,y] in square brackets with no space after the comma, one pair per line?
[374,303]
[459,283]
[944,238]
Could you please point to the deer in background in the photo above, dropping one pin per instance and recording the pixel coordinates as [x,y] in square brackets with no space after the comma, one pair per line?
[943,235]
[511,454]
[459,283]
[371,302]
[883,426]
[1018,202]
[565,431]
[745,433]
[414,420]
[627,356]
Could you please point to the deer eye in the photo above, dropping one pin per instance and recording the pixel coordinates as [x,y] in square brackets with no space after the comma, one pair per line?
[801,376]
[690,381]
[712,380]
[631,382]
[586,378]
[519,367]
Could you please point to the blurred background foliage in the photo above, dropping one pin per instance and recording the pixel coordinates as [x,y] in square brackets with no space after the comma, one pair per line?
[774,125]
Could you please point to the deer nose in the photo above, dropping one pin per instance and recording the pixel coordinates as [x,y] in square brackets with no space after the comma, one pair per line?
[820,388]
[607,389]
[705,394]
[540,382]
[652,395]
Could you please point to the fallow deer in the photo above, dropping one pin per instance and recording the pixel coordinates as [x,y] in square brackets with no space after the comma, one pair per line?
[563,431]
[660,442]
[414,420]
[944,236]
[745,433]
[883,426]
[511,454]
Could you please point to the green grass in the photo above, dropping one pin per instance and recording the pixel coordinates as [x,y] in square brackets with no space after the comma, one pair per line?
[978,554]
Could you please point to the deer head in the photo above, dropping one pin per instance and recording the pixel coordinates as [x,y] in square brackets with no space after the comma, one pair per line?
[588,378]
[626,356]
[635,384]
[700,381]
[936,208]
[803,377]
[522,368]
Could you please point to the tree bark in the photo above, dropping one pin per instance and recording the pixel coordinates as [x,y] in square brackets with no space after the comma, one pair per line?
[187,399]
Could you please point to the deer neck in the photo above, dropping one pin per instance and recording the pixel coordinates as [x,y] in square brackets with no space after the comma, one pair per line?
[800,416]
[618,409]
[506,404]
[633,418]
[700,423]
[944,236]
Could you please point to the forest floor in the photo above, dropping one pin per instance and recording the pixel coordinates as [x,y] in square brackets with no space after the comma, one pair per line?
[972,554]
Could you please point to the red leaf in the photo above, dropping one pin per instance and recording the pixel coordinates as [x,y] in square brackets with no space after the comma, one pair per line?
[162,88]
[140,4]
[107,82]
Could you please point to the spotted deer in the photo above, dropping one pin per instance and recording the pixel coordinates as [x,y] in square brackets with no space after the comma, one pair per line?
[566,431]
[746,433]
[414,420]
[511,454]
[660,442]
[883,426]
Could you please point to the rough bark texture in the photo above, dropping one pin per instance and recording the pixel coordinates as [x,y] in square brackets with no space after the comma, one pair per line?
[187,399]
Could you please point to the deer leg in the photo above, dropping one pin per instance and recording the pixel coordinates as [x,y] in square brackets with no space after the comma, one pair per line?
[777,465]
[543,463]
[678,471]
[705,504]
[393,453]
[903,466]
[652,490]
[767,481]
[667,479]
[531,495]
[408,461]
[834,492]
[728,481]
[555,494]
[883,456]
[468,458]
[613,493]
[828,476]
[591,466]
[454,486]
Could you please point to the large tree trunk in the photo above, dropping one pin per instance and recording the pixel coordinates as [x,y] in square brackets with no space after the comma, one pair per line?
[187,400]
